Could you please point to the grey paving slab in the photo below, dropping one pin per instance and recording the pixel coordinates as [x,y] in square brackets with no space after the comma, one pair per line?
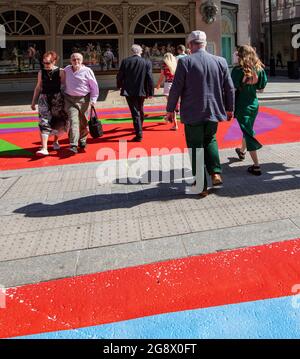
[296,220]
[40,221]
[109,213]
[19,224]
[252,211]
[15,246]
[241,236]
[132,254]
[202,220]
[6,183]
[38,269]
[40,178]
[63,240]
[119,231]
[287,209]
[22,198]
[169,224]
[157,208]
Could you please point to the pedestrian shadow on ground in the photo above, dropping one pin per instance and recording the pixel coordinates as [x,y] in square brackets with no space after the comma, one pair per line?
[276,177]
[99,202]
[237,183]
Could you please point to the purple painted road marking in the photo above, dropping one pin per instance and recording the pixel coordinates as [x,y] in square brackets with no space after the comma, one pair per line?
[19,119]
[14,130]
[263,123]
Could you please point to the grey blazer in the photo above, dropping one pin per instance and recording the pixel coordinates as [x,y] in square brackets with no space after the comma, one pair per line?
[205,86]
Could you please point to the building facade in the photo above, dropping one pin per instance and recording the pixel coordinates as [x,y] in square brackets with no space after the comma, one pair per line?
[104,30]
[285,14]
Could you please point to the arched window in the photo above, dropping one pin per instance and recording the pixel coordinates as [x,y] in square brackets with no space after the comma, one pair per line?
[90,23]
[25,42]
[159,22]
[95,35]
[21,23]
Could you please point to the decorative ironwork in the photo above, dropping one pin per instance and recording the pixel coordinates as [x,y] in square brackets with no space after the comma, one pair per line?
[90,23]
[20,23]
[159,22]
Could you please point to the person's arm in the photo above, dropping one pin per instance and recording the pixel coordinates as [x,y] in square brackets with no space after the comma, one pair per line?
[262,81]
[62,76]
[94,88]
[149,82]
[229,92]
[37,91]
[161,77]
[177,86]
[120,76]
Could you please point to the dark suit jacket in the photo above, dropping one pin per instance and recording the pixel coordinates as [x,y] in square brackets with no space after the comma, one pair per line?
[135,77]
[204,84]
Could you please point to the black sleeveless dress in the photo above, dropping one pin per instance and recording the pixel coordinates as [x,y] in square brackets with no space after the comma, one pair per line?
[53,118]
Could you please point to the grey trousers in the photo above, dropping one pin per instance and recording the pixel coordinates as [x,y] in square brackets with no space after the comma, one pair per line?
[76,107]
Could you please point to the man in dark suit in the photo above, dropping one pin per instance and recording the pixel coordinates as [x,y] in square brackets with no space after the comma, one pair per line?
[204,84]
[136,83]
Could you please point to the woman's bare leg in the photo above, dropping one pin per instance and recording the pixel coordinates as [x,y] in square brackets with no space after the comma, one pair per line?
[44,138]
[55,139]
[254,157]
[243,147]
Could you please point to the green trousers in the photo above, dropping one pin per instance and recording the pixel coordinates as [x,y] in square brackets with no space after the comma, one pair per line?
[204,136]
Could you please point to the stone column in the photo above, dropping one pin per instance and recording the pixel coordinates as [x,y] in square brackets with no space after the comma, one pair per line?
[125,41]
[213,31]
[192,6]
[243,23]
[52,42]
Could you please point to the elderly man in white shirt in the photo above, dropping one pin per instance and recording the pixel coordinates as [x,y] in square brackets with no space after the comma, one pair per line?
[81,90]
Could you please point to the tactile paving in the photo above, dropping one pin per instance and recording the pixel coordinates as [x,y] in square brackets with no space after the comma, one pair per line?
[63,239]
[16,246]
[206,219]
[121,230]
[6,183]
[168,224]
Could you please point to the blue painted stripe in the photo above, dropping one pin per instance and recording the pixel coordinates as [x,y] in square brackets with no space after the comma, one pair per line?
[264,319]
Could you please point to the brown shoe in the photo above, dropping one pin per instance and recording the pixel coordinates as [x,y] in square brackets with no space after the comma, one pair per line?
[216,179]
[203,194]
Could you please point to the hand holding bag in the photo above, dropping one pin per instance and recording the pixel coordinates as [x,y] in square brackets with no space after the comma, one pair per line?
[95,125]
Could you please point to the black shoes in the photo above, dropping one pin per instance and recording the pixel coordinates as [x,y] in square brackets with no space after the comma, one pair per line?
[137,139]
[255,170]
[82,145]
[240,154]
[73,149]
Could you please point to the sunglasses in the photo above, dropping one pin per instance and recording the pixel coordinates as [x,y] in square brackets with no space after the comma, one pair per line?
[47,62]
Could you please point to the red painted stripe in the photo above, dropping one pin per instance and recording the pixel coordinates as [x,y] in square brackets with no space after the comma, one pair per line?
[236,276]
[156,134]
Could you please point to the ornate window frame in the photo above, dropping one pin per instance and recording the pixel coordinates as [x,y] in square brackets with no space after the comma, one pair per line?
[93,38]
[158,35]
[16,61]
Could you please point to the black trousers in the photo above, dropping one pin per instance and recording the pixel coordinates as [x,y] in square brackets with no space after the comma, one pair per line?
[136,106]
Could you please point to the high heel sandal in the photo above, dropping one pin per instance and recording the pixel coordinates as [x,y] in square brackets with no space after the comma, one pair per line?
[254,170]
[240,154]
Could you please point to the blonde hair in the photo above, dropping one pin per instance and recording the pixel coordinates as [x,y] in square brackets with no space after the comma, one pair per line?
[171,62]
[249,60]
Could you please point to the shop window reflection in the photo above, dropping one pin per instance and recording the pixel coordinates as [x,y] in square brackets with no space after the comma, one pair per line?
[100,55]
[21,56]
